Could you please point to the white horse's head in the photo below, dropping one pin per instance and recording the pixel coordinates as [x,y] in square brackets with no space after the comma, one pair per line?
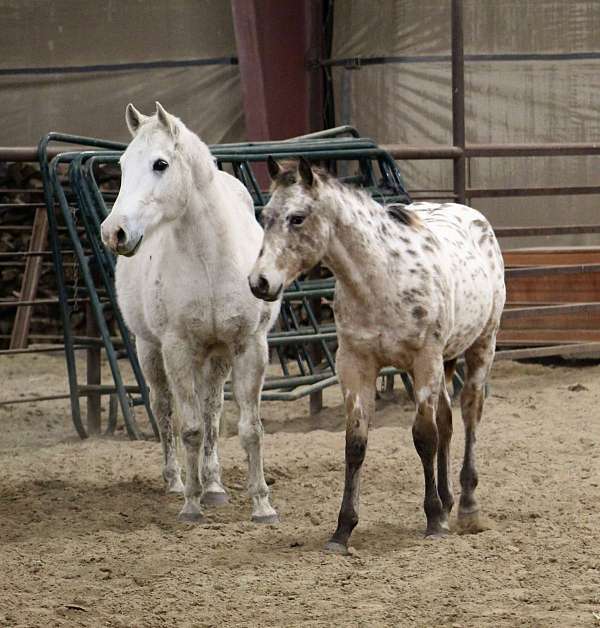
[162,165]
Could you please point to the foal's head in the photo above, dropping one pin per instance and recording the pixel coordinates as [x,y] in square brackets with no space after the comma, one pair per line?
[159,169]
[296,227]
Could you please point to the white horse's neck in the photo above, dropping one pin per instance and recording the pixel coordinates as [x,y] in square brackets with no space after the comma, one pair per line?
[208,227]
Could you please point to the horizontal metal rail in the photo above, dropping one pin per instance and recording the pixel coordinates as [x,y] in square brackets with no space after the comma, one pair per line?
[536,191]
[567,350]
[358,61]
[518,232]
[118,67]
[550,310]
[53,349]
[397,151]
[551,149]
[540,271]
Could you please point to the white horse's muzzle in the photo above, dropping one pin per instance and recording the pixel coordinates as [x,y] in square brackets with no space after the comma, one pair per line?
[121,240]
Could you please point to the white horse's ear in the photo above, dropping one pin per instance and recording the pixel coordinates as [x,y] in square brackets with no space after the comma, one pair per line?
[166,119]
[306,172]
[273,167]
[134,119]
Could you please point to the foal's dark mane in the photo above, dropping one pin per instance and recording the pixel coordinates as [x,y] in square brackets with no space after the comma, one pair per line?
[288,176]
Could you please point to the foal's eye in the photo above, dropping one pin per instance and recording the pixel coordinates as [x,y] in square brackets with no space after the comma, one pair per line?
[297,219]
[159,165]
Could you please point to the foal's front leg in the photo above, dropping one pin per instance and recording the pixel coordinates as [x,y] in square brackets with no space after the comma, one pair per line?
[358,377]
[249,364]
[179,365]
[427,377]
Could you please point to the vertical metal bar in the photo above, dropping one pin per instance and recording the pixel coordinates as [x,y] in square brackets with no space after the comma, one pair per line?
[93,374]
[61,286]
[458,98]
[315,404]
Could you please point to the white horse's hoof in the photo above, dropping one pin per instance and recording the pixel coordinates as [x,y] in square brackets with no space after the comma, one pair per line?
[214,498]
[190,516]
[336,548]
[265,518]
[175,487]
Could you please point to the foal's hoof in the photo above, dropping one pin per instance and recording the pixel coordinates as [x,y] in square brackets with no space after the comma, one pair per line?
[471,523]
[265,518]
[335,547]
[437,530]
[438,533]
[190,517]
[214,498]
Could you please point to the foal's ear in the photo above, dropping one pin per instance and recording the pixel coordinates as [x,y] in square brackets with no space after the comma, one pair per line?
[305,170]
[166,119]
[273,167]
[134,119]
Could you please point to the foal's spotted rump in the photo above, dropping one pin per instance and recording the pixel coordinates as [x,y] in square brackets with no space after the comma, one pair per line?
[416,287]
[461,274]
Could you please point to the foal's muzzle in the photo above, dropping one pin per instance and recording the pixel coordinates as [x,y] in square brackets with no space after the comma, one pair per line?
[262,290]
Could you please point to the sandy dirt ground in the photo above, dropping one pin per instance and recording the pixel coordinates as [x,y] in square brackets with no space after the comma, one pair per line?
[88,538]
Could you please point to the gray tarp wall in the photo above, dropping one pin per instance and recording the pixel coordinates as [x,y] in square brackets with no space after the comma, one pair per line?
[35,35]
[515,100]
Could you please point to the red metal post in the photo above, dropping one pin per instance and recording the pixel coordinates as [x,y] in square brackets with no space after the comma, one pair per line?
[277,41]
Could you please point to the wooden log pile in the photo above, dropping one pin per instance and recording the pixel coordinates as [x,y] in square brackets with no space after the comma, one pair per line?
[21,199]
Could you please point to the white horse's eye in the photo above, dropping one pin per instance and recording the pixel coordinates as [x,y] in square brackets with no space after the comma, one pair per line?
[160,165]
[297,219]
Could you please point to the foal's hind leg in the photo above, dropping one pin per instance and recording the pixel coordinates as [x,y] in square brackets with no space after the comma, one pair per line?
[444,426]
[427,376]
[151,360]
[478,359]
[213,376]
[249,364]
[357,377]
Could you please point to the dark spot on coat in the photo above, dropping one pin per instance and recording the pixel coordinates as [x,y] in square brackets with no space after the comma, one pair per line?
[419,312]
[411,252]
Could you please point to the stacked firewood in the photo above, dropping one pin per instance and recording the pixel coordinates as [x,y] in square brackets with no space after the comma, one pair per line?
[21,190]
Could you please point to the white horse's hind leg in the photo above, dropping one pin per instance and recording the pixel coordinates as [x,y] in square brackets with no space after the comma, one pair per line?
[248,372]
[213,376]
[151,360]
[180,369]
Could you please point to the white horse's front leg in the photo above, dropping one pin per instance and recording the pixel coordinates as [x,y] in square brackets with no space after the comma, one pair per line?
[151,360]
[213,375]
[179,365]
[249,365]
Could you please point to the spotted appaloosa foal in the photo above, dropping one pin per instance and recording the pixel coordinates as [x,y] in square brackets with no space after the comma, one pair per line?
[417,286]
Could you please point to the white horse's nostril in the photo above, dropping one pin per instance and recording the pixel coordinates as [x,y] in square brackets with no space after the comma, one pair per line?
[121,237]
[263,285]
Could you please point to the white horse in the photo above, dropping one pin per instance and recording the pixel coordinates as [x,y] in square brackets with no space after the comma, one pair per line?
[416,287]
[187,239]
